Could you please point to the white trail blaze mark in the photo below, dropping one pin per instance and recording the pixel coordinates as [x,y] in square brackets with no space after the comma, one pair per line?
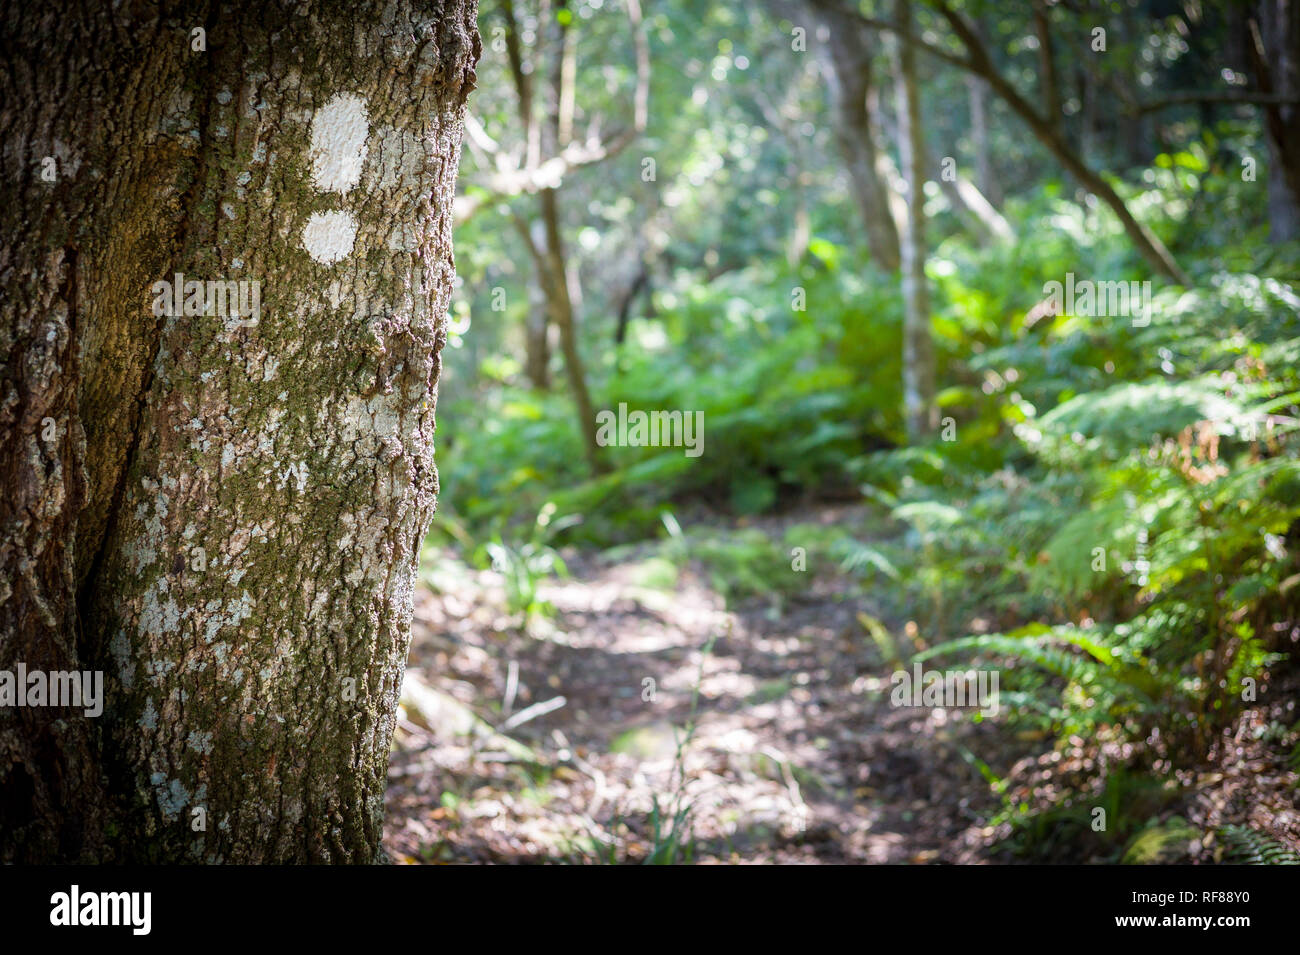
[328,236]
[338,143]
[338,153]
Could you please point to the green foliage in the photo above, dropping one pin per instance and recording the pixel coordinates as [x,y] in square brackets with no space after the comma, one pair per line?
[671,814]
[789,406]
[1112,515]
[1163,844]
[1144,520]
[1135,830]
[1246,846]
[1100,677]
[524,565]
[670,833]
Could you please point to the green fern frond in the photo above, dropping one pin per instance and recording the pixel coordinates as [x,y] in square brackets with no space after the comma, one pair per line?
[1246,846]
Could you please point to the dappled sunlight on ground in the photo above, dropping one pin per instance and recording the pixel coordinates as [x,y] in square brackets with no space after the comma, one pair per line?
[797,754]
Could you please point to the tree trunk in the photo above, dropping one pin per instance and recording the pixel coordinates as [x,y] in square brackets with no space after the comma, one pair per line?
[1088,115]
[623,306]
[221,511]
[976,212]
[1048,81]
[560,302]
[1278,69]
[537,323]
[537,340]
[986,179]
[848,76]
[977,94]
[559,283]
[918,348]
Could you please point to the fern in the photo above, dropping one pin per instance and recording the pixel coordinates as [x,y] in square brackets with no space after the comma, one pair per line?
[1104,680]
[1246,846]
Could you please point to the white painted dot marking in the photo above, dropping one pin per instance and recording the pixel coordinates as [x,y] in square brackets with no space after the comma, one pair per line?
[338,143]
[328,236]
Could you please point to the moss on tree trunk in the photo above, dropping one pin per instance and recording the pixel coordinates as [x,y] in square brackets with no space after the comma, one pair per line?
[228,516]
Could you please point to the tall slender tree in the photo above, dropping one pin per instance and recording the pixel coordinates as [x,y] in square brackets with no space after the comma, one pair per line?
[918,348]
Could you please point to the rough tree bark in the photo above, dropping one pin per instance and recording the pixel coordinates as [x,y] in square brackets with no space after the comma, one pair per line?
[222,516]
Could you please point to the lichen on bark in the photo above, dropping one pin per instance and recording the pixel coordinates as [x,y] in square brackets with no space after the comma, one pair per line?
[240,560]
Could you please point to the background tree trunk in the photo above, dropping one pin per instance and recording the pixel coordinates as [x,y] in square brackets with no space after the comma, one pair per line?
[977,90]
[537,340]
[558,277]
[228,519]
[1277,66]
[976,212]
[559,295]
[848,79]
[918,348]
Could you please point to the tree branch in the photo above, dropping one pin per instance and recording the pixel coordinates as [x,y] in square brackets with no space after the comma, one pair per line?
[1183,99]
[978,61]
[511,177]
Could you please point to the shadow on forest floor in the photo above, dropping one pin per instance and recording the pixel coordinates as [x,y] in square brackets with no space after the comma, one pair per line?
[796,755]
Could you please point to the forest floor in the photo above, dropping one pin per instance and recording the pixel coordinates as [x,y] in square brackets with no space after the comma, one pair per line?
[796,753]
[770,721]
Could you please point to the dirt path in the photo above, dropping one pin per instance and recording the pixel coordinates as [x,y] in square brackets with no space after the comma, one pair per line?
[797,754]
